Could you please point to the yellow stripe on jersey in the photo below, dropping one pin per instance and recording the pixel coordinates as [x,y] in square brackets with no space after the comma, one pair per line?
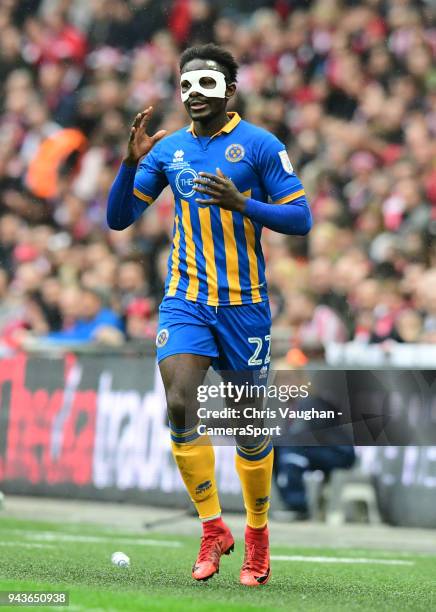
[291,197]
[142,196]
[252,260]
[234,120]
[175,260]
[252,257]
[232,263]
[209,255]
[193,286]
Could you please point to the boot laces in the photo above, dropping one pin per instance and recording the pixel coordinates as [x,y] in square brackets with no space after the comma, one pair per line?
[210,548]
[254,559]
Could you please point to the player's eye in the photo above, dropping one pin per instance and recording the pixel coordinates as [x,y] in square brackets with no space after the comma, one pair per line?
[185,85]
[207,82]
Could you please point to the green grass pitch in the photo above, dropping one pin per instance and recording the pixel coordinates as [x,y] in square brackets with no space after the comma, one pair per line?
[76,558]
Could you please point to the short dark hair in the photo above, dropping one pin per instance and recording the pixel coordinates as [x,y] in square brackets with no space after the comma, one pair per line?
[212,52]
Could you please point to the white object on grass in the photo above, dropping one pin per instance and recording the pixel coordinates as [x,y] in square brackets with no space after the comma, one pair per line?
[120,559]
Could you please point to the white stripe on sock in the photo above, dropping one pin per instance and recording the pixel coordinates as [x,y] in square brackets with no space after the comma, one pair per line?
[210,518]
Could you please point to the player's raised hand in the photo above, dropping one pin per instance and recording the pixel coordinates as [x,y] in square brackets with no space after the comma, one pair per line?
[221,190]
[140,143]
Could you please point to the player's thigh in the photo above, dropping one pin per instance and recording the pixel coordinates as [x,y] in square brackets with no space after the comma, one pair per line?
[243,337]
[183,329]
[181,375]
[185,347]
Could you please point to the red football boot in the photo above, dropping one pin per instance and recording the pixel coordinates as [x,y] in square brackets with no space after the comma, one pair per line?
[256,567]
[217,540]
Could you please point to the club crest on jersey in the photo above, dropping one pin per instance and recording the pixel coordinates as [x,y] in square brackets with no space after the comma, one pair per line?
[286,162]
[235,152]
[162,338]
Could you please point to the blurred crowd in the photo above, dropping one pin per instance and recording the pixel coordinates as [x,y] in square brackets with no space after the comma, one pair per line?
[349,86]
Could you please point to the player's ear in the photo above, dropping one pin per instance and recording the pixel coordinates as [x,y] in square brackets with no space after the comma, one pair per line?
[230,90]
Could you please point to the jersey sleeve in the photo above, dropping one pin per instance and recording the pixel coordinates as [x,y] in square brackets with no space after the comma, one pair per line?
[150,179]
[276,171]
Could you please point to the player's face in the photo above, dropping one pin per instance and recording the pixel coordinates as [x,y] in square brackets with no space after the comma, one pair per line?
[199,106]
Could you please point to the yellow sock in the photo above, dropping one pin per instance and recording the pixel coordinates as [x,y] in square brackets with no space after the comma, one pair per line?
[195,458]
[254,466]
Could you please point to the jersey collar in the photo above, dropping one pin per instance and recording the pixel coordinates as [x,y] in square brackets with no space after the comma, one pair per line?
[226,129]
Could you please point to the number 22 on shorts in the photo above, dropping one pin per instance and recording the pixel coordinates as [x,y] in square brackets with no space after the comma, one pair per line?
[258,342]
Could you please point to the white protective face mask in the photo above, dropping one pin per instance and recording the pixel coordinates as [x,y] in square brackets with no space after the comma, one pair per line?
[194,77]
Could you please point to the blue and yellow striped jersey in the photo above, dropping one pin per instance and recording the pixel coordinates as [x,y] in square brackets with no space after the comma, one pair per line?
[216,256]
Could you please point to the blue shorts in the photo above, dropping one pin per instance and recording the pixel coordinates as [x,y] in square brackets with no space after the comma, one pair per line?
[235,337]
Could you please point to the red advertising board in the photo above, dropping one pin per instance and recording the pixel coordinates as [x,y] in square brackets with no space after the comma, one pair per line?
[92,427]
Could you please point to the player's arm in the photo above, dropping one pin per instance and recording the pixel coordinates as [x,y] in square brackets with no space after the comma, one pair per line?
[135,188]
[292,217]
[289,212]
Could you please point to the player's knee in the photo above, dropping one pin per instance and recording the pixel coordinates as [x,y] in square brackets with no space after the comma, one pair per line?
[177,406]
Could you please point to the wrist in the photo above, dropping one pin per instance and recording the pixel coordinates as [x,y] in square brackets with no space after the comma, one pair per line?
[250,204]
[242,203]
[130,162]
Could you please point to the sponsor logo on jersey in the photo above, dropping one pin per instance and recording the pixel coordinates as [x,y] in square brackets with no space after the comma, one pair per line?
[185,182]
[235,152]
